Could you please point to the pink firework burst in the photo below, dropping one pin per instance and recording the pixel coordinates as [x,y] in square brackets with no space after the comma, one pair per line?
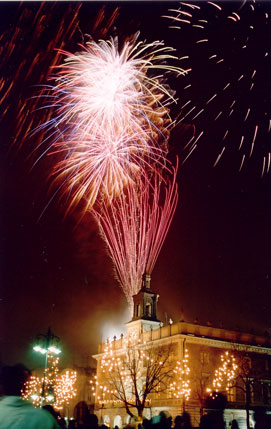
[112,115]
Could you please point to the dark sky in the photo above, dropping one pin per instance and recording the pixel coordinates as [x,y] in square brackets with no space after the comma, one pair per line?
[215,262]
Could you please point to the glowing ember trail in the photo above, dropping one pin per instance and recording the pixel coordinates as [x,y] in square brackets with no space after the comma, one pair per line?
[112,118]
[108,125]
[135,224]
[26,63]
[228,41]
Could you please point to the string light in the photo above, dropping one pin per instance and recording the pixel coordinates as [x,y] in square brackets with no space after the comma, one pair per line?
[57,389]
[64,389]
[132,374]
[226,373]
[181,385]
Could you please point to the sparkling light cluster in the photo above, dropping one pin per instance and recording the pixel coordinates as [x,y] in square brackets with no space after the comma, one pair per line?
[111,115]
[180,387]
[226,373]
[57,389]
[64,389]
[109,132]
[33,390]
[132,374]
[116,381]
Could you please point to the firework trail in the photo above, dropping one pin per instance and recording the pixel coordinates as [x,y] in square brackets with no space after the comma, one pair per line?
[107,121]
[26,59]
[30,48]
[112,114]
[134,227]
[229,52]
[112,118]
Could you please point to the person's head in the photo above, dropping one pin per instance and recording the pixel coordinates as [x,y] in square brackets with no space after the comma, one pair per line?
[165,418]
[178,421]
[13,379]
[50,410]
[186,417]
[234,424]
[91,421]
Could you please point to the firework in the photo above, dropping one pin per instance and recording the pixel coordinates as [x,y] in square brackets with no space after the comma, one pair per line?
[135,224]
[105,118]
[112,116]
[229,54]
[25,63]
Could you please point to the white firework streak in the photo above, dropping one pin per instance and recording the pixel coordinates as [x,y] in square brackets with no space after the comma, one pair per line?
[112,113]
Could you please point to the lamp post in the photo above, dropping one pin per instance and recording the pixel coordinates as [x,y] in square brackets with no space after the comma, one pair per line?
[45,344]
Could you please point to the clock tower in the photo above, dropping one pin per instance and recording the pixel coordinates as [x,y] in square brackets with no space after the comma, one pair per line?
[145,310]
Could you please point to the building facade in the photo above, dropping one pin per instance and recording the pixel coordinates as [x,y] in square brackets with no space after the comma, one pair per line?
[202,348]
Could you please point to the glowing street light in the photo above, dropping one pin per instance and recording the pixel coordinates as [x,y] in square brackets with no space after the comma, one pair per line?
[45,344]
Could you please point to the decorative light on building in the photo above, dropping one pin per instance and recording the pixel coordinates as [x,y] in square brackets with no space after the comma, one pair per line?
[225,374]
[64,388]
[180,387]
[127,375]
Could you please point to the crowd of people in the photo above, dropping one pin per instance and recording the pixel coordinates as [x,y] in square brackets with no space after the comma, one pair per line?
[15,413]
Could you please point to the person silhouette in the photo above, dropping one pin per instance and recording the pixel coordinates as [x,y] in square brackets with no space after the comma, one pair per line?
[186,421]
[178,422]
[234,424]
[14,411]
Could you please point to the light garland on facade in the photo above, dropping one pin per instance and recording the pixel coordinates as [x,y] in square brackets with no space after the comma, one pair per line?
[131,373]
[225,374]
[180,387]
[117,380]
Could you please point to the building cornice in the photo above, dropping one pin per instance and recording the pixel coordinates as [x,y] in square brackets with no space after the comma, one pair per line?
[211,342]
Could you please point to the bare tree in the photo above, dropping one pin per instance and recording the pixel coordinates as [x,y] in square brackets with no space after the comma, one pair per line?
[243,370]
[130,376]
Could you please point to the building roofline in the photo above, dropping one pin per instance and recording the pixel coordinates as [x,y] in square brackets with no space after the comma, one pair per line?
[201,333]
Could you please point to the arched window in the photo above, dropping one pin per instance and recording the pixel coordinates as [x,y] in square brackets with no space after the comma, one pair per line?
[117,421]
[106,420]
[148,310]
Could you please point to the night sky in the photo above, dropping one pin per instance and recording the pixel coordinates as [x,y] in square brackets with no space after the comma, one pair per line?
[215,263]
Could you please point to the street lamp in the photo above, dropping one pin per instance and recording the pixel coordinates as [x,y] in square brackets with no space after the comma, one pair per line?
[45,344]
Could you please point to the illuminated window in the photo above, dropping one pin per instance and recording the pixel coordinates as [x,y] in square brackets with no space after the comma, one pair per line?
[138,310]
[117,421]
[106,420]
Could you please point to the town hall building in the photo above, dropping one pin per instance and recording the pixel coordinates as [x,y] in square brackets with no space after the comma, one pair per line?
[205,346]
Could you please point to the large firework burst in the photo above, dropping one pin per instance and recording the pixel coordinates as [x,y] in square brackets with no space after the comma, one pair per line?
[112,117]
